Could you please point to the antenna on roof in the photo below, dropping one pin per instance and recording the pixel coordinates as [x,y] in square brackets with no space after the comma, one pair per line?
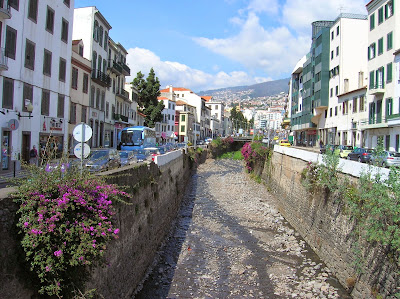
[341,9]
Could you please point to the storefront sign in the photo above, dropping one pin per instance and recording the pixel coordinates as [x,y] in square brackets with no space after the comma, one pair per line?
[312,132]
[50,124]
[13,124]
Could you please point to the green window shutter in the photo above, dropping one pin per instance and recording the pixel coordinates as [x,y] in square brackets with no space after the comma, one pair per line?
[389,71]
[390,41]
[380,15]
[372,22]
[371,80]
[383,77]
[380,46]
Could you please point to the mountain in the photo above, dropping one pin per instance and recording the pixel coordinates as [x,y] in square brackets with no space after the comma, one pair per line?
[269,88]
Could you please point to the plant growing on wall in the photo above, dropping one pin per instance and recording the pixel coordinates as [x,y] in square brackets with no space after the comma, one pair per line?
[65,222]
[255,153]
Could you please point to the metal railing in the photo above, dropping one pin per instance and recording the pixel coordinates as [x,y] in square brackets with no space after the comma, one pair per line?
[120,117]
[114,65]
[99,75]
[126,68]
[3,59]
[122,92]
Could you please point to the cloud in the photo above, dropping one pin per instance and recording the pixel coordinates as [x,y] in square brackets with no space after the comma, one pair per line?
[181,75]
[275,50]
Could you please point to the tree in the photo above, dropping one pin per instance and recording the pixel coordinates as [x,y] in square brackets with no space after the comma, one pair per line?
[148,91]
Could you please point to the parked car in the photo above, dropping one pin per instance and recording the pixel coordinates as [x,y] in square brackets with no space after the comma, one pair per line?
[329,147]
[103,159]
[127,157]
[207,140]
[386,159]
[140,155]
[343,150]
[200,142]
[361,154]
[284,142]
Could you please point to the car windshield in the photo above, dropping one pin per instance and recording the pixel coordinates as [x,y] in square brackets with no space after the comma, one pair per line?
[369,150]
[347,148]
[393,154]
[96,155]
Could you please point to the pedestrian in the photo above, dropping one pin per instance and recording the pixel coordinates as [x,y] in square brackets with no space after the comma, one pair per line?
[33,156]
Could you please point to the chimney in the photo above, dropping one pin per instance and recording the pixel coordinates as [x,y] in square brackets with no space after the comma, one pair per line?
[170,89]
[360,79]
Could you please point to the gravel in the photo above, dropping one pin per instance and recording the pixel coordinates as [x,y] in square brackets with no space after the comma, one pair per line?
[230,241]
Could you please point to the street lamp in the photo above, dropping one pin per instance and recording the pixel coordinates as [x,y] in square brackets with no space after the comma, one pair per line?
[29,108]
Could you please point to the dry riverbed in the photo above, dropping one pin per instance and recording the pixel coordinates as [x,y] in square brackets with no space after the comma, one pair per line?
[230,241]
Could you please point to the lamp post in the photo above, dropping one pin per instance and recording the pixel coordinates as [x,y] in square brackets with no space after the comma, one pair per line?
[29,108]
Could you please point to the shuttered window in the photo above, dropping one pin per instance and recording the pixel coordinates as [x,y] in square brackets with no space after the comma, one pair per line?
[47,62]
[30,55]
[60,106]
[11,42]
[27,96]
[8,93]
[33,10]
[62,70]
[45,107]
[50,20]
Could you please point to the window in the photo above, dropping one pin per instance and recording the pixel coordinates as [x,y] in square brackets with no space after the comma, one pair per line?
[336,110]
[45,107]
[389,107]
[389,72]
[354,105]
[92,96]
[371,80]
[30,55]
[83,114]
[380,15]
[80,50]
[183,118]
[11,42]
[27,96]
[105,40]
[396,146]
[362,103]
[103,100]
[47,63]
[62,69]
[345,107]
[331,95]
[14,4]
[332,35]
[74,80]
[387,142]
[60,106]
[336,90]
[331,55]
[50,20]
[372,51]
[372,22]
[95,30]
[107,109]
[97,98]
[64,30]
[85,87]
[389,42]
[330,112]
[101,36]
[33,10]
[337,51]
[8,93]
[337,30]
[183,128]
[67,2]
[72,113]
[380,46]
[389,9]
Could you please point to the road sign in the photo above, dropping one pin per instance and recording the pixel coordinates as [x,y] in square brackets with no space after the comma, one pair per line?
[82,132]
[78,150]
[13,124]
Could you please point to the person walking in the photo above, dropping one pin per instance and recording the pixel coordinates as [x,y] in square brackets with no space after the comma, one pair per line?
[33,156]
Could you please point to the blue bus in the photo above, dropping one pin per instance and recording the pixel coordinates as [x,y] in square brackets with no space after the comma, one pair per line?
[139,137]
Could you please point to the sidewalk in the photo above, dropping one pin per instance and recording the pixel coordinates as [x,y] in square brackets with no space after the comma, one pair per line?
[5,177]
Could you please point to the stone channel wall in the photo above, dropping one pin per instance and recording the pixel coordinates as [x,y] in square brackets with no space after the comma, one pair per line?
[144,224]
[323,223]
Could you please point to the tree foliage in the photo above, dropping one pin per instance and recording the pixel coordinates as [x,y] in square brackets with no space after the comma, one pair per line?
[238,119]
[148,91]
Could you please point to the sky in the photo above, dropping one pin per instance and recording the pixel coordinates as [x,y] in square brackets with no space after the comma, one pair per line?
[210,44]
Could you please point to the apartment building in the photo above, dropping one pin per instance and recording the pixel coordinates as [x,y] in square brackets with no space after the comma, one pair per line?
[92,28]
[217,116]
[383,101]
[338,123]
[81,70]
[166,131]
[184,122]
[118,113]
[35,68]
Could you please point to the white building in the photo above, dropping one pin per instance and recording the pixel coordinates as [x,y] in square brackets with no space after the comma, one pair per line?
[217,116]
[93,29]
[81,70]
[166,128]
[35,67]
[383,102]
[337,123]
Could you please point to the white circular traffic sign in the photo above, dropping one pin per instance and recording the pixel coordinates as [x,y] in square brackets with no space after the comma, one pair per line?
[79,153]
[82,132]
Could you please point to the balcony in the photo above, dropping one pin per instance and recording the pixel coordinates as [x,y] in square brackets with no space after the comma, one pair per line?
[125,69]
[101,78]
[375,122]
[120,117]
[5,12]
[115,67]
[377,89]
[393,120]
[3,60]
[123,94]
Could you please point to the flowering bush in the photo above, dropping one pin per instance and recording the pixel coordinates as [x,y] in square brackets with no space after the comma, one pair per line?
[254,152]
[220,146]
[65,221]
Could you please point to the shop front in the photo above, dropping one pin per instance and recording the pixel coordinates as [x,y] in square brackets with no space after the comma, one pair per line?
[51,137]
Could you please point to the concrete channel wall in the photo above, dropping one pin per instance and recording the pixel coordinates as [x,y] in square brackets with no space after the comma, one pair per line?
[144,224]
[327,228]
